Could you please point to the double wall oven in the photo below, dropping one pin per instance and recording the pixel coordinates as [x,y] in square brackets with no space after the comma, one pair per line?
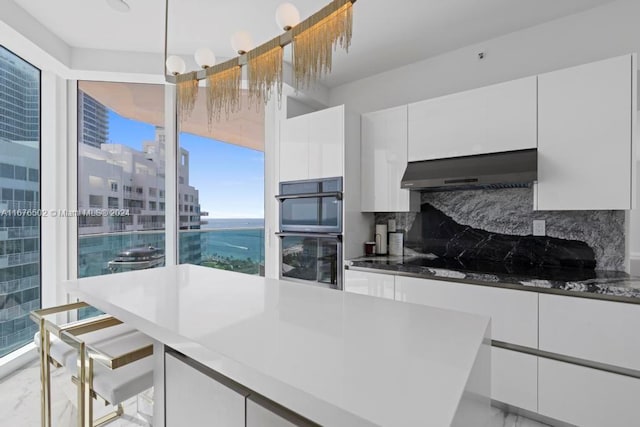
[311,231]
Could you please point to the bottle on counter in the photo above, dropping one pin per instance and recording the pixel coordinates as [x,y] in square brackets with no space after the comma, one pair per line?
[391,225]
[381,239]
[396,244]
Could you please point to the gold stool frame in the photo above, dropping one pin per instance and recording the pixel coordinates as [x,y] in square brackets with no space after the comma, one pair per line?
[87,357]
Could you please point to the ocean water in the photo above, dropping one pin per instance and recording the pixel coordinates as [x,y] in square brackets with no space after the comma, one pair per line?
[232,223]
[239,239]
[231,238]
[239,244]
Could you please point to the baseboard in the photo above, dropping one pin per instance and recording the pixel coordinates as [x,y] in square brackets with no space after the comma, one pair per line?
[529,414]
[17,359]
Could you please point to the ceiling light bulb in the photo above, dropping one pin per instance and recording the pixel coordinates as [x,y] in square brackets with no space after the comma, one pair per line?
[242,42]
[176,65]
[287,16]
[119,5]
[205,57]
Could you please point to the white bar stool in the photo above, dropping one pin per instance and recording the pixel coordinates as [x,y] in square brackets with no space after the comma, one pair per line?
[105,358]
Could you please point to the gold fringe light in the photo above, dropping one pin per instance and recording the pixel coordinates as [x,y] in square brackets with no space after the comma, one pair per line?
[315,39]
[187,93]
[264,71]
[223,90]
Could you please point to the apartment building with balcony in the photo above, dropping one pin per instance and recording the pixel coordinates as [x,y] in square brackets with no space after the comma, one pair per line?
[118,177]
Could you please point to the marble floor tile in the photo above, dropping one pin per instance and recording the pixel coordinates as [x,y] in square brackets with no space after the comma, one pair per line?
[20,401]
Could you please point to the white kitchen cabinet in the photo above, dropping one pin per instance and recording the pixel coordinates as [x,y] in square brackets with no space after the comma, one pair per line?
[312,145]
[586,116]
[195,399]
[373,284]
[602,331]
[326,143]
[514,314]
[259,416]
[383,162]
[587,397]
[491,119]
[294,149]
[514,378]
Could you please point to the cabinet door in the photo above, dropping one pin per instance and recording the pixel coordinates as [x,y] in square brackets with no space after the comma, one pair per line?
[365,283]
[511,121]
[585,135]
[197,400]
[514,314]
[294,149]
[587,397]
[514,378]
[602,331]
[262,413]
[326,143]
[384,160]
[449,126]
[491,119]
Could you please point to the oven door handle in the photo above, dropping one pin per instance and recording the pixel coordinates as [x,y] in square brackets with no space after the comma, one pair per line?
[336,236]
[336,194]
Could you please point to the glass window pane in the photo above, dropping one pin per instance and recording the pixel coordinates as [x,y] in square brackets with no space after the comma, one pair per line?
[120,166]
[20,241]
[221,189]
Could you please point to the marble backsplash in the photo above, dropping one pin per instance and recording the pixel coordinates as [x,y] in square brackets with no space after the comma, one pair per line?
[496,220]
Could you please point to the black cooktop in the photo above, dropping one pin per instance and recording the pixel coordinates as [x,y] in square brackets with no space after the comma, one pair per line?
[489,267]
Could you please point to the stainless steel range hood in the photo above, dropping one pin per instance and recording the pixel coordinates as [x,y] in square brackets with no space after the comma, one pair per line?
[505,169]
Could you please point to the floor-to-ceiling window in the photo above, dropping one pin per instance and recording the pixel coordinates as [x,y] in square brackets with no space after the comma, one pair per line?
[221,189]
[19,200]
[121,177]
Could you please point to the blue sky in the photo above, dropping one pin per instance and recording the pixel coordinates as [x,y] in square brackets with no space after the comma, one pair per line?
[230,178]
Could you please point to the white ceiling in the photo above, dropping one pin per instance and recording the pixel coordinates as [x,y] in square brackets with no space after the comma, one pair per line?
[387,33]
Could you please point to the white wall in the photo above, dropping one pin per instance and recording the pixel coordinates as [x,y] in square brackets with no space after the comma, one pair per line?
[603,32]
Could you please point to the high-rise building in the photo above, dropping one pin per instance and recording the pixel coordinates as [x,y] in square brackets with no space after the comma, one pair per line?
[19,192]
[115,176]
[93,121]
[19,99]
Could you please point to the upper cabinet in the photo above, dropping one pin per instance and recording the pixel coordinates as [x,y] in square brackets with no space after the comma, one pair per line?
[312,145]
[586,122]
[491,119]
[383,162]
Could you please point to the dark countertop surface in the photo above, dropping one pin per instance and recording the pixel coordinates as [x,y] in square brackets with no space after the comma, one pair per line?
[608,285]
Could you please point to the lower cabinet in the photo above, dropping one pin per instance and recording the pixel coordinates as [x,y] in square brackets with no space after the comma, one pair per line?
[587,397]
[514,378]
[259,416]
[597,331]
[262,413]
[194,399]
[373,284]
[197,396]
[600,331]
[514,314]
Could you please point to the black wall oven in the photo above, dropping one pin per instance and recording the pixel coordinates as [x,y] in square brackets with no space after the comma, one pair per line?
[312,206]
[311,231]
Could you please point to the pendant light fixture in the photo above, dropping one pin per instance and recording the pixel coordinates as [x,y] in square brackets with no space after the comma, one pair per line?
[205,58]
[287,16]
[314,40]
[242,42]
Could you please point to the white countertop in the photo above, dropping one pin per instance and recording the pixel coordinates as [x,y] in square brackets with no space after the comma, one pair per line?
[336,358]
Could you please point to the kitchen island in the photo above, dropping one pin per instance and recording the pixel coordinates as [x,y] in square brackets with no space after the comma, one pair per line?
[251,351]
